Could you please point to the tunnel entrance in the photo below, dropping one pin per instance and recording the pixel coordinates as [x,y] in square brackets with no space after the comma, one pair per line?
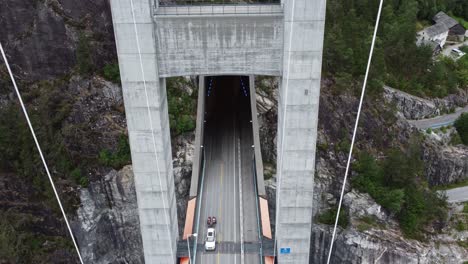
[227,97]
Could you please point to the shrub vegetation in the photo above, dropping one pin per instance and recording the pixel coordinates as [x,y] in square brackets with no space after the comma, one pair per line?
[111,72]
[328,217]
[397,183]
[182,105]
[461,124]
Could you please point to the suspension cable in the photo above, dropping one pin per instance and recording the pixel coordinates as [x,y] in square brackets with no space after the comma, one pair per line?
[280,174]
[23,107]
[355,130]
[151,127]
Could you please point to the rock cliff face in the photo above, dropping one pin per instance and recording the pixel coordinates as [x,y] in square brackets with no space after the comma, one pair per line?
[413,107]
[41,36]
[381,241]
[182,152]
[107,225]
[445,164]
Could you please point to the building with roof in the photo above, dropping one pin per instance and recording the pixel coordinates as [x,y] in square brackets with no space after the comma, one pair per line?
[445,28]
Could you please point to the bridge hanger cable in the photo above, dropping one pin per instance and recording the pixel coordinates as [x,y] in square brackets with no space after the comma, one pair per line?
[23,107]
[283,138]
[151,127]
[355,130]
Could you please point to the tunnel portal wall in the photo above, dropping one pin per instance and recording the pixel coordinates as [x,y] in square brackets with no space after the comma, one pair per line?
[238,44]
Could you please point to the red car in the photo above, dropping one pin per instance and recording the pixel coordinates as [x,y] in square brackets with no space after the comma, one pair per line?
[211,221]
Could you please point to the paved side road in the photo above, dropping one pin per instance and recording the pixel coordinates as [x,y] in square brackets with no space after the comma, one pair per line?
[439,121]
[457,195]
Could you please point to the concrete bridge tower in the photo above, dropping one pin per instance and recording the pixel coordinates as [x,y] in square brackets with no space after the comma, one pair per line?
[156,42]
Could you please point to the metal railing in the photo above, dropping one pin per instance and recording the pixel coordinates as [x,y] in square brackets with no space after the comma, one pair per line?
[198,207]
[211,8]
[257,207]
[215,2]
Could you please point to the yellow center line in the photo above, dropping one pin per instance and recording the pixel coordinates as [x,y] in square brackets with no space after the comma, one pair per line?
[220,208]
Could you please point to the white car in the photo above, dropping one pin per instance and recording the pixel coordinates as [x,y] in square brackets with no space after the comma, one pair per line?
[458,52]
[210,243]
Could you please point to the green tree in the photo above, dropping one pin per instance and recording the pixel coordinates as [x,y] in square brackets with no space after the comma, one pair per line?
[461,124]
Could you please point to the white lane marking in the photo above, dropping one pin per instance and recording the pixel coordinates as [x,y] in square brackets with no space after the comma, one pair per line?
[234,185]
[241,217]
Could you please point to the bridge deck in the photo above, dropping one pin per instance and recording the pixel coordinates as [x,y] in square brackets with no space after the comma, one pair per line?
[228,176]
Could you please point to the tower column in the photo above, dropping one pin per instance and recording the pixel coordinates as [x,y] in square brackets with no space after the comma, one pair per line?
[148,127]
[297,126]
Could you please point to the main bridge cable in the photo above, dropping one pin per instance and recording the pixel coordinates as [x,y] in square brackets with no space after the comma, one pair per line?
[23,107]
[280,174]
[355,130]
[152,129]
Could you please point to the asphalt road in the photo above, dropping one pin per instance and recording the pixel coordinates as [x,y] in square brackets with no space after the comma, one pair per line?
[228,176]
[457,195]
[439,121]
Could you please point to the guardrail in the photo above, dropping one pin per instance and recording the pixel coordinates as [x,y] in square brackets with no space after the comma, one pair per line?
[219,9]
[216,2]
[257,207]
[198,208]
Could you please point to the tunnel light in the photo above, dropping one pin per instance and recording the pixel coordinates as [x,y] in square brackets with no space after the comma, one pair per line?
[243,87]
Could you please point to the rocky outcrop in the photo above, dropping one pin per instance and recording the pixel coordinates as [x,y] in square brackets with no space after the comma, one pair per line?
[267,108]
[107,225]
[183,149]
[411,106]
[445,164]
[381,246]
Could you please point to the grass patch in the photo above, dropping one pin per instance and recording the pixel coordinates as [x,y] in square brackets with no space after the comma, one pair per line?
[111,72]
[367,222]
[464,244]
[465,207]
[460,20]
[451,186]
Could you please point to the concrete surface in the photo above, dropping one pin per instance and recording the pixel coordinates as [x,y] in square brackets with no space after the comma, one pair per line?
[457,195]
[228,175]
[214,44]
[447,51]
[148,129]
[439,121]
[219,45]
[199,131]
[297,126]
[256,139]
